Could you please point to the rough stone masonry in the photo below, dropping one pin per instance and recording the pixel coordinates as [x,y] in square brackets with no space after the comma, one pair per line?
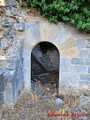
[20,33]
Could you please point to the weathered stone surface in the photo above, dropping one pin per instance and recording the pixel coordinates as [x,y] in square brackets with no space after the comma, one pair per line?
[84,53]
[9,75]
[6,32]
[77,61]
[6,43]
[14,11]
[21,26]
[79,69]
[12,33]
[54,31]
[35,30]
[81,42]
[72,52]
[1,98]
[5,23]
[88,45]
[65,64]
[69,79]
[11,3]
[62,36]
[67,44]
[1,29]
[85,84]
[44,31]
[88,69]
[1,82]
[2,53]
[87,61]
[85,77]
[58,102]
[84,100]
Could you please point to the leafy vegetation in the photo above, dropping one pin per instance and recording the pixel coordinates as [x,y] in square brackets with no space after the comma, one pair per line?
[76,12]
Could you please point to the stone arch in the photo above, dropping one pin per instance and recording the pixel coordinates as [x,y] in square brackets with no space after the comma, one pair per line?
[45,59]
[55,34]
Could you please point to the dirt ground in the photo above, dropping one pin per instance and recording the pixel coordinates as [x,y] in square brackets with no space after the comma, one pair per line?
[32,107]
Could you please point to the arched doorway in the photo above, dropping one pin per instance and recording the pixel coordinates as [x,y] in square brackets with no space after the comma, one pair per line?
[45,69]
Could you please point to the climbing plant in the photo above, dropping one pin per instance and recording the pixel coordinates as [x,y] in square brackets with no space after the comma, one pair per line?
[76,12]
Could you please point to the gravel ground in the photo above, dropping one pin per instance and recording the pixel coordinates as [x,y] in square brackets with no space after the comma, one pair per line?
[33,107]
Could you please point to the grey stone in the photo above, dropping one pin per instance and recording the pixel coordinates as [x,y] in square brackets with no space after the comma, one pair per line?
[84,53]
[6,43]
[81,42]
[78,61]
[87,61]
[11,3]
[85,77]
[1,98]
[79,69]
[58,102]
[6,32]
[14,11]
[1,83]
[78,111]
[84,84]
[12,33]
[35,31]
[5,23]
[21,26]
[88,69]
[65,64]
[88,45]
[88,40]
[84,100]
[68,78]
[9,75]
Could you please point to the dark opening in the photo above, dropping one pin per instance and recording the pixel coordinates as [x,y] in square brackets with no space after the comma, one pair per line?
[45,69]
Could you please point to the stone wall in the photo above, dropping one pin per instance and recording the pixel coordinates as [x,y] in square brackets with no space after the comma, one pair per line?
[11,59]
[75,70]
[20,33]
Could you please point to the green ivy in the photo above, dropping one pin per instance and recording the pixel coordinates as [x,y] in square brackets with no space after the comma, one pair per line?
[77,12]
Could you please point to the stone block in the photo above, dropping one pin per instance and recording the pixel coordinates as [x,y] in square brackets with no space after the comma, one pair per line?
[67,44]
[77,61]
[45,31]
[11,3]
[81,43]
[35,30]
[8,93]
[85,77]
[63,35]
[79,69]
[65,64]
[84,84]
[87,61]
[69,79]
[58,102]
[72,52]
[84,53]
[54,31]
[21,26]
[9,75]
